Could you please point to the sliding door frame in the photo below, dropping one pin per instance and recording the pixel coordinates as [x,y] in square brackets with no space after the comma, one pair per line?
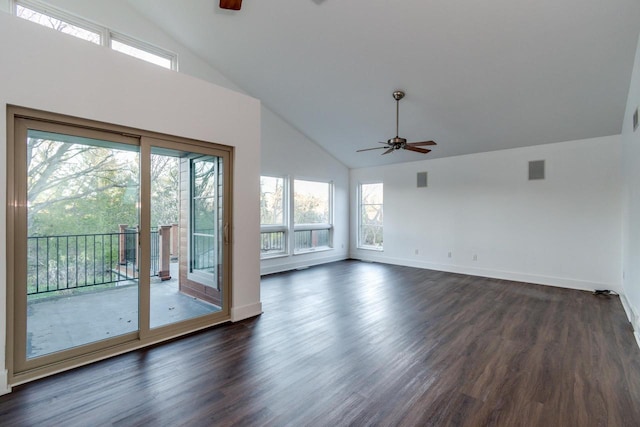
[21,369]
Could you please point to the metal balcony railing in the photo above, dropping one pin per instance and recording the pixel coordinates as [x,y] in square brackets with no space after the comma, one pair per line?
[65,262]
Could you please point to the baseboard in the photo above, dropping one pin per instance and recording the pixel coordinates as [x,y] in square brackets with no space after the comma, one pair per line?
[299,261]
[632,315]
[246,311]
[4,383]
[561,282]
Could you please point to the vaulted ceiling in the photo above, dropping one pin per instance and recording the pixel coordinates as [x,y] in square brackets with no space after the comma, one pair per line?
[479,76]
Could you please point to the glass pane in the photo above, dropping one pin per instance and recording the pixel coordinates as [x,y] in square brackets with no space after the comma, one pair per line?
[141,54]
[372,193]
[371,235]
[371,215]
[204,215]
[271,200]
[58,25]
[311,202]
[311,239]
[184,254]
[82,280]
[272,243]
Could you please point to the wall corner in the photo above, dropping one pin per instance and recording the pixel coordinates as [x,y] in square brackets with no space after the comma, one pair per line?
[246,311]
[4,383]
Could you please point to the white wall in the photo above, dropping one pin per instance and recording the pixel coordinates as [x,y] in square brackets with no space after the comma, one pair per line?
[119,16]
[285,151]
[562,231]
[51,71]
[631,203]
[289,153]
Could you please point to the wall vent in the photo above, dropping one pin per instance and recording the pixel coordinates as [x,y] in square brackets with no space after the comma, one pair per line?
[536,169]
[422,179]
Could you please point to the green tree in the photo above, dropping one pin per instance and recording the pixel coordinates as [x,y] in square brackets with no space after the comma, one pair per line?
[164,190]
[75,189]
[271,200]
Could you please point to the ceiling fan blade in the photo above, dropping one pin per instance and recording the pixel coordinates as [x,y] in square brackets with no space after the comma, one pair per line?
[230,4]
[367,149]
[416,149]
[388,151]
[385,143]
[421,143]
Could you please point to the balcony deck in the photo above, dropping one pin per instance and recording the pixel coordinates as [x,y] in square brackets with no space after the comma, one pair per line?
[65,322]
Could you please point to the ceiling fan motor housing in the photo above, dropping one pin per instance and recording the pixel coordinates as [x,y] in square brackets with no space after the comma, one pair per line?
[397,142]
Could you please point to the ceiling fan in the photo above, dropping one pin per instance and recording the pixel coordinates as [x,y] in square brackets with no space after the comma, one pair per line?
[231,4]
[398,143]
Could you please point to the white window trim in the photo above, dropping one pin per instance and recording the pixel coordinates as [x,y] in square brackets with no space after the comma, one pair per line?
[106,35]
[307,227]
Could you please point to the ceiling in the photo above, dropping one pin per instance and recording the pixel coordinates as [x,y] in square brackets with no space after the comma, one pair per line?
[479,76]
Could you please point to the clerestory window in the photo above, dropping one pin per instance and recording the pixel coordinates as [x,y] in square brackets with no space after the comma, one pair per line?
[50,17]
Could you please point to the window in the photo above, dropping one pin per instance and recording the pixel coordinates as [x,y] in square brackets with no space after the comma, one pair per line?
[306,225]
[273,226]
[43,14]
[59,22]
[312,215]
[140,50]
[370,217]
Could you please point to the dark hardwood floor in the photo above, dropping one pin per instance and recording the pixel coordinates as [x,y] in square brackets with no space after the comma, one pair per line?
[354,343]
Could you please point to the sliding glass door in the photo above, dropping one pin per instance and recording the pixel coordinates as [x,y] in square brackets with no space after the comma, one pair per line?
[78,190]
[119,240]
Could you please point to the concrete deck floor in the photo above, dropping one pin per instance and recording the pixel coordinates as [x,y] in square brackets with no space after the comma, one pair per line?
[60,323]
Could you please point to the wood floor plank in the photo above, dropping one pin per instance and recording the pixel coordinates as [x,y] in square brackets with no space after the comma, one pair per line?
[353,343]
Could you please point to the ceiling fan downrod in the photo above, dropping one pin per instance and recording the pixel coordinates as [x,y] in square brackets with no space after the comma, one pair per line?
[397,142]
[398,95]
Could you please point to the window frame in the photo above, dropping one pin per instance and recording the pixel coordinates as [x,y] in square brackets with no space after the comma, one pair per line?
[360,244]
[105,33]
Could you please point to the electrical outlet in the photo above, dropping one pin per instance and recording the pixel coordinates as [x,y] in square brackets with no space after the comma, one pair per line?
[475,257]
[449,255]
[417,251]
